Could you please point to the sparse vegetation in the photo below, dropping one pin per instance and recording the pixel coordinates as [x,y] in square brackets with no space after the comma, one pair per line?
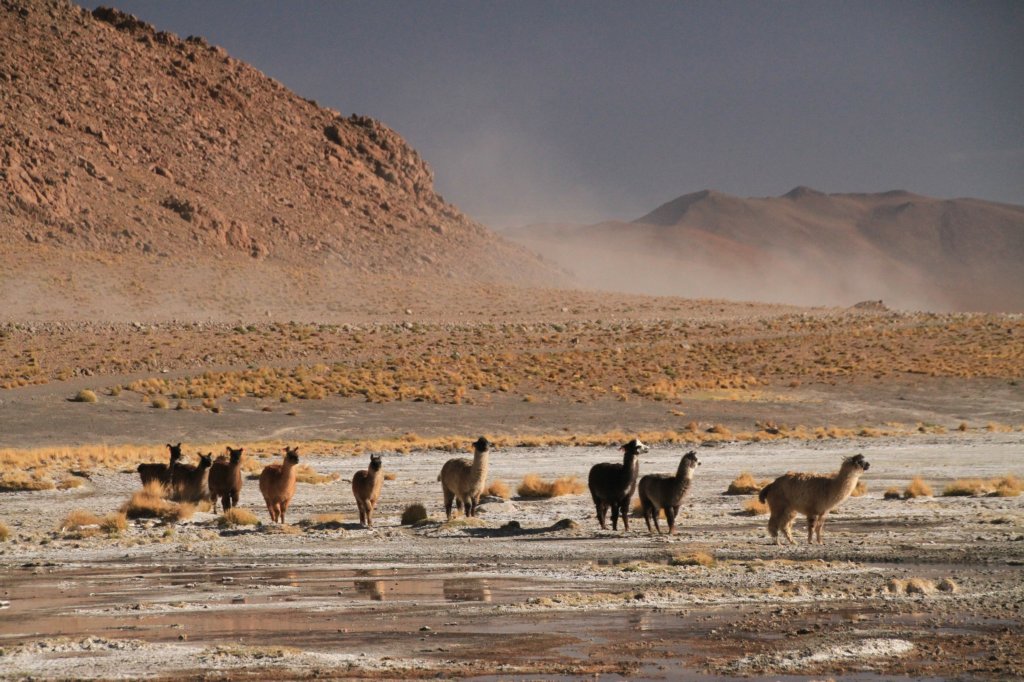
[306,474]
[755,507]
[693,559]
[33,479]
[81,523]
[744,484]
[917,488]
[85,396]
[70,482]
[5,532]
[534,487]
[237,516]
[159,402]
[151,503]
[1007,486]
[498,488]
[413,514]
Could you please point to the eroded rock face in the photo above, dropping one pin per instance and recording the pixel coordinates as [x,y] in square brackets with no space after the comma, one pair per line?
[119,137]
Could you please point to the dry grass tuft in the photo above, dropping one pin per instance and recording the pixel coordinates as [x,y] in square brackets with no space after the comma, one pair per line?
[327,519]
[413,514]
[80,523]
[12,481]
[5,532]
[755,507]
[498,488]
[70,482]
[920,586]
[77,520]
[534,487]
[85,396]
[237,516]
[159,402]
[744,484]
[892,494]
[1007,486]
[693,559]
[860,489]
[917,488]
[947,585]
[114,523]
[151,503]
[306,474]
[390,476]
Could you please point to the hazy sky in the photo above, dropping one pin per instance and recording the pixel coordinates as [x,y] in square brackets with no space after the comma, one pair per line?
[572,110]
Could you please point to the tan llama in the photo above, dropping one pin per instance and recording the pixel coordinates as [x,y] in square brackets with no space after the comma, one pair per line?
[463,480]
[277,483]
[366,485]
[813,495]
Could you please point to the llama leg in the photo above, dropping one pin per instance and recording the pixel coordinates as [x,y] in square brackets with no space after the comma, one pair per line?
[787,525]
[655,513]
[362,513]
[213,501]
[773,528]
[624,513]
[602,511]
[812,524]
[270,510]
[670,515]
[234,499]
[615,515]
[821,525]
[647,515]
[448,497]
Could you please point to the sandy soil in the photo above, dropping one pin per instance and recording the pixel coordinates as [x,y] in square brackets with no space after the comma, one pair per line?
[480,599]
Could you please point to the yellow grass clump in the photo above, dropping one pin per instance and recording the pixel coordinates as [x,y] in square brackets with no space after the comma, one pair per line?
[306,474]
[860,489]
[755,507]
[947,585]
[390,476]
[159,402]
[744,484]
[11,481]
[693,559]
[414,514]
[328,518]
[534,487]
[1007,486]
[498,488]
[5,532]
[82,523]
[237,516]
[917,488]
[85,396]
[70,482]
[77,520]
[151,503]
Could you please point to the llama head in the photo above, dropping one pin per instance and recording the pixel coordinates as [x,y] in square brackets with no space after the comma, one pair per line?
[375,462]
[856,462]
[690,460]
[205,460]
[235,454]
[175,451]
[291,455]
[634,447]
[482,444]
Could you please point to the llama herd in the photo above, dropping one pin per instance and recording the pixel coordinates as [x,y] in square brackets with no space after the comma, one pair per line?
[464,480]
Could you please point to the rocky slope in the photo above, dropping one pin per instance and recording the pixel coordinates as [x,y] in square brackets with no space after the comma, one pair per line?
[131,160]
[806,247]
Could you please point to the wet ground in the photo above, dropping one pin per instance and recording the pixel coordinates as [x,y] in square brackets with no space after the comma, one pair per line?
[483,601]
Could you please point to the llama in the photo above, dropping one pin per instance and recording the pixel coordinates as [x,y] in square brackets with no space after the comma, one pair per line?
[464,481]
[612,484]
[158,471]
[366,485]
[665,491]
[277,483]
[225,481]
[813,495]
[189,480]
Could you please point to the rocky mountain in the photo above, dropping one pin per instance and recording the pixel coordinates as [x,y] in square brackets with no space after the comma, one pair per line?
[143,171]
[806,247]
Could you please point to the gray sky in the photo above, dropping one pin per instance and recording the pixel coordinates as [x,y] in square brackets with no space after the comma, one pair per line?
[543,111]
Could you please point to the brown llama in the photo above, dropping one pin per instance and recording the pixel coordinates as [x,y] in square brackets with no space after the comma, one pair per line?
[277,483]
[188,481]
[158,471]
[612,484]
[813,495]
[366,485]
[225,481]
[464,480]
[665,491]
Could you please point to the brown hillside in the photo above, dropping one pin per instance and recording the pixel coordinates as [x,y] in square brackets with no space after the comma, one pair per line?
[806,247]
[132,160]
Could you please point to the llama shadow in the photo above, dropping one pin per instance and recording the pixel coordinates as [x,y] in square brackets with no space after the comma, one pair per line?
[513,529]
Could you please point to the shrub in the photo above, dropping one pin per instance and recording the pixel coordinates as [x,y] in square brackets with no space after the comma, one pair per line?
[150,503]
[693,559]
[755,507]
[892,494]
[114,523]
[413,514]
[860,489]
[534,487]
[159,402]
[917,488]
[85,396]
[77,520]
[966,487]
[498,488]
[237,516]
[1010,486]
[744,484]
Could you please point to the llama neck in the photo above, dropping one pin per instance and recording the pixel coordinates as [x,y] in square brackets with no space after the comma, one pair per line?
[683,480]
[843,483]
[288,469]
[479,470]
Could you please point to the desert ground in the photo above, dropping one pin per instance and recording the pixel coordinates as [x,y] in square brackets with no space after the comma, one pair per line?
[925,586]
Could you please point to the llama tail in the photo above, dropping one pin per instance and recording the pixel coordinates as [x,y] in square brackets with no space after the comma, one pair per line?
[763,495]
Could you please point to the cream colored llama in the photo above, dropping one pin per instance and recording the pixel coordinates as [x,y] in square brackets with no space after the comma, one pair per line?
[463,480]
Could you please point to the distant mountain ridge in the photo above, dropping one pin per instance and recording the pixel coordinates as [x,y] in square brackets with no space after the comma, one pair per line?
[806,247]
[123,144]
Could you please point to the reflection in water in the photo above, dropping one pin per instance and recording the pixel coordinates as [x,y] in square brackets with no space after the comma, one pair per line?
[472,589]
[371,589]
